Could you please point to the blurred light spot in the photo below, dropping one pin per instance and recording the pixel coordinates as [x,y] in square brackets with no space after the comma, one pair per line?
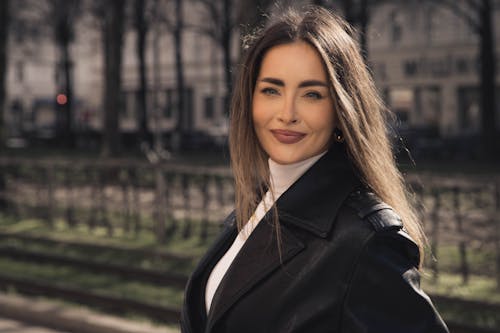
[61,99]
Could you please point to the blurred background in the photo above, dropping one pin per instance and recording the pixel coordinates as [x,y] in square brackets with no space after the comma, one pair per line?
[114,168]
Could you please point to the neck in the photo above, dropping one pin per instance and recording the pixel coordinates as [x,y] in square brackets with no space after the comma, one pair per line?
[282,176]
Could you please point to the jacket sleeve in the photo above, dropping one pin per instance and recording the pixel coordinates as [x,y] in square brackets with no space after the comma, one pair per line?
[384,294]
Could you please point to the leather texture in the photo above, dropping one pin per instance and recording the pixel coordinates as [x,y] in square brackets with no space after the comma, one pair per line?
[346,265]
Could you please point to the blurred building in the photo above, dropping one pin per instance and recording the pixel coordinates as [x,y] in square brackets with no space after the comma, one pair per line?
[32,76]
[424,60]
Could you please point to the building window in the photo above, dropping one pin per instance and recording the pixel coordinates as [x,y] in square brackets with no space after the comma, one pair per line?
[209,107]
[128,104]
[161,100]
[428,106]
[226,104]
[170,103]
[396,21]
[20,71]
[469,110]
[401,101]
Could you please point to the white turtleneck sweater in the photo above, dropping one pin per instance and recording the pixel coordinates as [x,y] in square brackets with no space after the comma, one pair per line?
[282,176]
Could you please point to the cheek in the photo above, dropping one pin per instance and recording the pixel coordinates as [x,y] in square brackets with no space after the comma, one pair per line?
[323,121]
[258,115]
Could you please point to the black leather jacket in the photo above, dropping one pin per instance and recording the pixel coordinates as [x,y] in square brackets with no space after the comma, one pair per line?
[346,266]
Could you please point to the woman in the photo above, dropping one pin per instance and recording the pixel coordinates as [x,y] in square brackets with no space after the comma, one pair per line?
[315,243]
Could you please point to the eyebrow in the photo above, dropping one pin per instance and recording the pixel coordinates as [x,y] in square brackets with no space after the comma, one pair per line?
[303,84]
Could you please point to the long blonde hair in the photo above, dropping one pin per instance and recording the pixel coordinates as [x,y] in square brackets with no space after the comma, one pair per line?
[361,114]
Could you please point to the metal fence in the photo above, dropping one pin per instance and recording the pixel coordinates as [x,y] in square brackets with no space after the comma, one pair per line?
[461,214]
[117,196]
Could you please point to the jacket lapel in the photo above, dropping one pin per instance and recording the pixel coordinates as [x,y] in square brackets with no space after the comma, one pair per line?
[327,184]
[256,259]
[313,201]
[194,310]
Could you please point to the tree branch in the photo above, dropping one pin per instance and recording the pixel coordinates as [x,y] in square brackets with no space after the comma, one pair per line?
[214,13]
[475,5]
[453,6]
[203,31]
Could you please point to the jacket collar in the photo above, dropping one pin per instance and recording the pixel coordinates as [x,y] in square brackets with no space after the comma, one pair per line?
[258,258]
[313,201]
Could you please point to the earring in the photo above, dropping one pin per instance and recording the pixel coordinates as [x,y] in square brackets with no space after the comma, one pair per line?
[338,135]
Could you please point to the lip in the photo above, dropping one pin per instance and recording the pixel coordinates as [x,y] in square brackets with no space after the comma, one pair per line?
[287,137]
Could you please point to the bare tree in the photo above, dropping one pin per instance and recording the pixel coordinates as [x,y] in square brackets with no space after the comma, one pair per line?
[252,15]
[64,13]
[168,17]
[478,15]
[113,25]
[357,14]
[179,74]
[222,20]
[141,26]
[33,21]
[4,29]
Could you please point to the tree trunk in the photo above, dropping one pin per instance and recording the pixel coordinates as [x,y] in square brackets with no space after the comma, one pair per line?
[113,34]
[252,13]
[68,133]
[63,34]
[226,49]
[356,13]
[363,24]
[487,56]
[4,29]
[179,71]
[141,29]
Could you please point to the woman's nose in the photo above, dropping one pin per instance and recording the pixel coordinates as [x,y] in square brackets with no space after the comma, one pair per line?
[288,112]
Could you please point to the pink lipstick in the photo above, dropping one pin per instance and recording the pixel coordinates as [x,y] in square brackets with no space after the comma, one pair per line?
[287,137]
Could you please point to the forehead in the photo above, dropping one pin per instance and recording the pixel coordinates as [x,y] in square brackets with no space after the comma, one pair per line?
[296,60]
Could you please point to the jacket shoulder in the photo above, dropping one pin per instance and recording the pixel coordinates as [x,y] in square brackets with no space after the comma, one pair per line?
[370,208]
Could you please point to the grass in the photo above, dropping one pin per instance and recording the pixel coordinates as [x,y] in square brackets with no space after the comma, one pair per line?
[145,239]
[81,234]
[99,283]
[480,259]
[479,288]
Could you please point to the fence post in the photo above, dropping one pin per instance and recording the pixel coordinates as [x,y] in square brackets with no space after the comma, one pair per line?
[70,210]
[435,233]
[160,203]
[186,232]
[3,188]
[462,250]
[102,204]
[124,181]
[50,194]
[496,227]
[94,184]
[205,216]
[170,193]
[136,199]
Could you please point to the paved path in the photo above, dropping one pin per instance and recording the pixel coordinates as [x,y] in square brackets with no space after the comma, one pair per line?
[16,311]
[13,326]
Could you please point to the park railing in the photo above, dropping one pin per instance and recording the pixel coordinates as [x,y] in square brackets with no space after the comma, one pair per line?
[460,213]
[118,196]
[461,217]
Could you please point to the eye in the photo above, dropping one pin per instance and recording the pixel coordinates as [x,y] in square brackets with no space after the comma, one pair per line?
[313,95]
[269,91]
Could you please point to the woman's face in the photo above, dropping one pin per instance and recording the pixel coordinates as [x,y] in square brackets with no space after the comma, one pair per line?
[292,107]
